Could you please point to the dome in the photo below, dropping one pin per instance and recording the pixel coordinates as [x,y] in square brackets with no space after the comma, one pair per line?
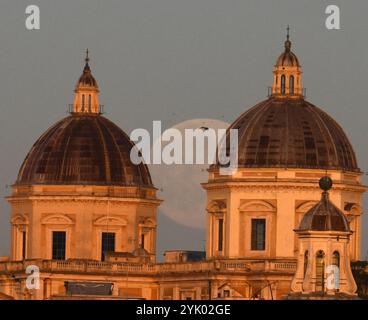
[287,58]
[324,216]
[83,149]
[292,133]
[87,79]
[286,131]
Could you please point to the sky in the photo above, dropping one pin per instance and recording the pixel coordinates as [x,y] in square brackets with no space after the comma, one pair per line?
[173,60]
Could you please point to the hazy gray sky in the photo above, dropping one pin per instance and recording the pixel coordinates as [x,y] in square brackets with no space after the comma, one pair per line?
[173,60]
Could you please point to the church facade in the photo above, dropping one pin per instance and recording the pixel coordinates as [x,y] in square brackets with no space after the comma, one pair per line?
[85,215]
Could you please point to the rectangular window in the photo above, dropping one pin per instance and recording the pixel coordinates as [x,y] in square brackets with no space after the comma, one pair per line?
[220,234]
[24,244]
[142,240]
[108,243]
[58,245]
[83,102]
[89,104]
[258,234]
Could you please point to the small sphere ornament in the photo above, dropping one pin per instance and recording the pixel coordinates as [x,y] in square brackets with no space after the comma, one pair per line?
[325,183]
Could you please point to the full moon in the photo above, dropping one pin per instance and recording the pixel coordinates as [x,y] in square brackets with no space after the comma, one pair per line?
[180,184]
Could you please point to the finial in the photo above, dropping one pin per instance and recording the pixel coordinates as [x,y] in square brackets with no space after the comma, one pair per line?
[325,183]
[287,42]
[86,66]
[87,57]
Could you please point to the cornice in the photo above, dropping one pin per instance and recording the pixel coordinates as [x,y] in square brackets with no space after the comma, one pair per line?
[260,186]
[83,199]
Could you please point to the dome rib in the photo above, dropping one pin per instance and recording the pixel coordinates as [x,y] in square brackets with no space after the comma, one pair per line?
[118,150]
[322,125]
[35,151]
[105,152]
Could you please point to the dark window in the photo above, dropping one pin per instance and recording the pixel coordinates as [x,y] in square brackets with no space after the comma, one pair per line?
[282,84]
[320,271]
[220,234]
[108,243]
[291,85]
[83,102]
[89,103]
[258,234]
[24,244]
[142,240]
[58,245]
[226,293]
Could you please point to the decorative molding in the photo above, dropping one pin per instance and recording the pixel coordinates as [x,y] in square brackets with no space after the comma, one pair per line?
[262,187]
[256,205]
[353,209]
[146,222]
[216,206]
[60,219]
[75,199]
[19,219]
[110,220]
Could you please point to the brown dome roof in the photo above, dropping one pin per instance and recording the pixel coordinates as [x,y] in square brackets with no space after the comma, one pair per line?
[83,149]
[324,216]
[292,133]
[87,79]
[287,58]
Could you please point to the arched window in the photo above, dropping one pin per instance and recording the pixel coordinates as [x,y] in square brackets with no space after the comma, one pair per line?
[82,102]
[89,103]
[291,84]
[283,84]
[306,253]
[320,271]
[336,259]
